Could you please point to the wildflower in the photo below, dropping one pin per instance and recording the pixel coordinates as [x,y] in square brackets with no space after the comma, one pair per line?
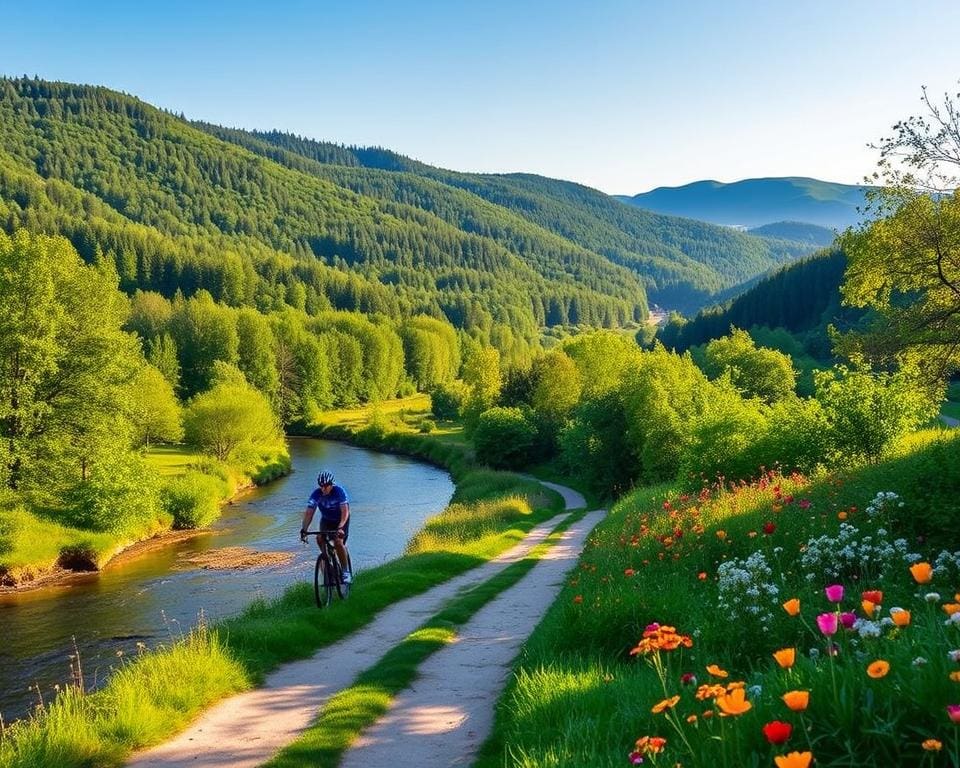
[834,593]
[804,504]
[954,655]
[932,597]
[842,515]
[721,535]
[792,606]
[797,701]
[691,718]
[710,691]
[868,608]
[951,608]
[688,678]
[769,528]
[953,712]
[650,745]
[875,596]
[920,661]
[878,669]
[848,619]
[755,691]
[734,703]
[777,732]
[827,622]
[955,677]
[714,670]
[785,657]
[661,638]
[932,745]
[922,572]
[702,575]
[665,704]
[866,628]
[794,760]
[900,617]
[814,653]
[578,599]
[629,572]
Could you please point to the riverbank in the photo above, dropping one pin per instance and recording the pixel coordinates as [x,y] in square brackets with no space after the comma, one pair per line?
[36,552]
[156,694]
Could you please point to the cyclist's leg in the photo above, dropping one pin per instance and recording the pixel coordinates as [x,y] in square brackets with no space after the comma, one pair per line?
[341,547]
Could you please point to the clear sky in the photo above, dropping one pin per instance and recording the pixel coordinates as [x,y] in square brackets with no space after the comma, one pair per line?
[623,95]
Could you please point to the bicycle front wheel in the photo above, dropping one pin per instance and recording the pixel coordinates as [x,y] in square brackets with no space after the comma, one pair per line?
[323,583]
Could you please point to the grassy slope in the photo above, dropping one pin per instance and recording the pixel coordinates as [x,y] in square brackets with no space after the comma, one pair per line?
[579,698]
[157,694]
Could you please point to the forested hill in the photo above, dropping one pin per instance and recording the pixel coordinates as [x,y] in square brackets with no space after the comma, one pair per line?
[682,262]
[179,209]
[797,298]
[755,202]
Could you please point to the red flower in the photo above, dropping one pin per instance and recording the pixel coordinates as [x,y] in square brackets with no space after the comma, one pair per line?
[769,528]
[777,732]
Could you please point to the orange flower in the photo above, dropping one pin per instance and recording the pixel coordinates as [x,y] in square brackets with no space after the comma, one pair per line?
[922,572]
[797,700]
[702,575]
[794,760]
[785,657]
[721,535]
[577,599]
[792,606]
[901,618]
[650,745]
[951,608]
[932,745]
[868,607]
[665,704]
[841,515]
[734,703]
[955,677]
[714,670]
[691,718]
[878,669]
[661,638]
[710,691]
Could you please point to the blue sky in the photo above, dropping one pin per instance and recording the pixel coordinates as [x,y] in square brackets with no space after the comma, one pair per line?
[618,94]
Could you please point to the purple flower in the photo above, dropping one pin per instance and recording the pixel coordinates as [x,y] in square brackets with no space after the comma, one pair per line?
[848,618]
[834,593]
[827,623]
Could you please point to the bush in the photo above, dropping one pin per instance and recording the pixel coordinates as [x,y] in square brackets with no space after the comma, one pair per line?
[120,495]
[193,499]
[427,426]
[503,438]
[225,418]
[447,400]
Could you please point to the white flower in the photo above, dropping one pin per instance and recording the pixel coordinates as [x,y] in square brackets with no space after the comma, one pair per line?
[919,661]
[954,655]
[932,597]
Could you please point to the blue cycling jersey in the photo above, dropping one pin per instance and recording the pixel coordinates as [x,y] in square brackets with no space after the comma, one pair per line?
[328,504]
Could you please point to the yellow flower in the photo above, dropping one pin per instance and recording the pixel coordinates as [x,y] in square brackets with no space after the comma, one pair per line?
[901,618]
[955,676]
[878,669]
[785,657]
[922,572]
[734,703]
[714,670]
[794,760]
[792,606]
[932,745]
[797,701]
[665,704]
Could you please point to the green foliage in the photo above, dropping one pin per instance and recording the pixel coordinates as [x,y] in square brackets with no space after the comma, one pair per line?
[431,351]
[193,499]
[229,419]
[602,358]
[868,411]
[427,426]
[447,400]
[204,332]
[153,408]
[594,446]
[755,372]
[481,374]
[503,438]
[556,390]
[119,495]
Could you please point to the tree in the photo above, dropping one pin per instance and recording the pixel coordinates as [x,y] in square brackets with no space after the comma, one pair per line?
[153,408]
[162,354]
[556,390]
[255,355]
[204,332]
[905,263]
[503,438]
[228,417]
[481,373]
[754,371]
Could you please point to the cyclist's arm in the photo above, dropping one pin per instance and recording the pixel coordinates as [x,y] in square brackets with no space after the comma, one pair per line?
[344,513]
[307,518]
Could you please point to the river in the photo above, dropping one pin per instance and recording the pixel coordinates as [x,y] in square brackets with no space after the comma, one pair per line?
[156,595]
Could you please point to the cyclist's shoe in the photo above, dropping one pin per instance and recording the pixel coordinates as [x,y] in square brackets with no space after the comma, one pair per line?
[347,577]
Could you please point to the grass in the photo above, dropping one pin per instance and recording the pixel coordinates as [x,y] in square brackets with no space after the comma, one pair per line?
[490,512]
[352,710]
[579,698]
[171,460]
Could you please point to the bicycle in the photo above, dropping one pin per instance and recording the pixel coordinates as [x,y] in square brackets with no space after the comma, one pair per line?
[327,573]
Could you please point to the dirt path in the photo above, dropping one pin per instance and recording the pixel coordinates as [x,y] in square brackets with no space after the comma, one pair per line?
[246,730]
[444,717]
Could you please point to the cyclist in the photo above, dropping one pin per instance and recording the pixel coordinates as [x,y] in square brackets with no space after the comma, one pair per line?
[334,508]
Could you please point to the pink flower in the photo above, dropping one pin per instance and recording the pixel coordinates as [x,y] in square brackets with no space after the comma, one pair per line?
[804,504]
[827,623]
[848,618]
[834,593]
[953,711]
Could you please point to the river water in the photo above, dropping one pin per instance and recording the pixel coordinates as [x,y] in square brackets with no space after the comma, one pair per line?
[157,595]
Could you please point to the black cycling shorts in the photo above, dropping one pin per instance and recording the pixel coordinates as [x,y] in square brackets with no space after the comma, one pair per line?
[326,526]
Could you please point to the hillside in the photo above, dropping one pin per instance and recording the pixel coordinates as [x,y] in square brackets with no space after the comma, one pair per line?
[797,298]
[682,263]
[756,202]
[796,231]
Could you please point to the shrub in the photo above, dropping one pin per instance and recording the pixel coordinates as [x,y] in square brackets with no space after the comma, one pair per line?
[228,416]
[427,426]
[503,438]
[193,499]
[447,400]
[120,495]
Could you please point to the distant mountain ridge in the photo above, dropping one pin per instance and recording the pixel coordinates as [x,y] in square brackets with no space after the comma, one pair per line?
[757,202]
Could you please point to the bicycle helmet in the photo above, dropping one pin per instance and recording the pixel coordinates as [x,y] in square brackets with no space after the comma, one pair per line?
[325,478]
